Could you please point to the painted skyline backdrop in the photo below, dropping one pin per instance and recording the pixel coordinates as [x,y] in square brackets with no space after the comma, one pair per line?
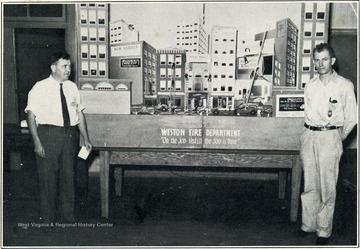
[156,22]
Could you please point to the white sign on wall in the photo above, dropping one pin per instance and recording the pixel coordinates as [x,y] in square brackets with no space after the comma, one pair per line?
[126,50]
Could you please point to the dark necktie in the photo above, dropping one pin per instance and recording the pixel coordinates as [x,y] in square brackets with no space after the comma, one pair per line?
[65,110]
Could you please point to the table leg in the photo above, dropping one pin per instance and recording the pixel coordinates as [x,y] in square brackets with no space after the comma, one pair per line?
[295,187]
[282,184]
[104,183]
[119,177]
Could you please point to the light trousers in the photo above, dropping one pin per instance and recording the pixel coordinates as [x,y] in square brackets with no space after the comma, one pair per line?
[320,152]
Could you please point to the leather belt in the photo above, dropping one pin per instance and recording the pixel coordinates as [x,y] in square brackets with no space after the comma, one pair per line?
[321,128]
[71,128]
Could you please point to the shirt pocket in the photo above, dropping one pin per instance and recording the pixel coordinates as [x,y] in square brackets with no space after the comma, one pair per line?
[335,105]
[73,102]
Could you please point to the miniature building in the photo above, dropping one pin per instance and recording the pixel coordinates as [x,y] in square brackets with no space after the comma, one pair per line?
[286,50]
[197,80]
[223,54]
[135,61]
[192,37]
[285,53]
[314,30]
[121,32]
[170,77]
[93,41]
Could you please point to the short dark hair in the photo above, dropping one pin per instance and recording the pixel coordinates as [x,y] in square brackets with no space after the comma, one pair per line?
[57,56]
[324,46]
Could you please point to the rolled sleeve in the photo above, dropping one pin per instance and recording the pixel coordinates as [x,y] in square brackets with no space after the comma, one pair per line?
[32,104]
[80,106]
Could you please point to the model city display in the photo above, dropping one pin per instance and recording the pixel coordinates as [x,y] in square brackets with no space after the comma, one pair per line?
[246,107]
[228,72]
[242,109]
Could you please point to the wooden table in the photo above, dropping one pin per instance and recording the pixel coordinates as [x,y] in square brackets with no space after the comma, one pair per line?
[198,141]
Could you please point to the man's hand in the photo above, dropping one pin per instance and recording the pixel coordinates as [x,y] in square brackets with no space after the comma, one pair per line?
[39,149]
[88,145]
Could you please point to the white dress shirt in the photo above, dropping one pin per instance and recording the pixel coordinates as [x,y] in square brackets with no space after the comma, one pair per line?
[45,102]
[319,111]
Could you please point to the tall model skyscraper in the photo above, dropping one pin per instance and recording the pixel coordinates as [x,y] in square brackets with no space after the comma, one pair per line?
[285,52]
[223,54]
[93,59]
[314,27]
[192,37]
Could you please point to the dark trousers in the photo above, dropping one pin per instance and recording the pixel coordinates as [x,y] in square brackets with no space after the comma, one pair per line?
[57,169]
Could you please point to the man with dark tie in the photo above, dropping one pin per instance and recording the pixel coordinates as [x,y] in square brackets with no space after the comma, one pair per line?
[55,117]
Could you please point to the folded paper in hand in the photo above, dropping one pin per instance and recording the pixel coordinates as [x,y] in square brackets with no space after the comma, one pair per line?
[84,153]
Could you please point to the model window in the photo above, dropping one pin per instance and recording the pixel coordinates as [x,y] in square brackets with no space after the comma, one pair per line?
[222,88]
[178,60]
[320,27]
[306,64]
[162,85]
[178,72]
[162,59]
[170,73]
[162,72]
[321,15]
[170,59]
[178,102]
[169,83]
[307,29]
[178,85]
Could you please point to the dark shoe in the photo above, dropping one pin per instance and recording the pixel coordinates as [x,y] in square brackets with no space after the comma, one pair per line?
[322,241]
[302,234]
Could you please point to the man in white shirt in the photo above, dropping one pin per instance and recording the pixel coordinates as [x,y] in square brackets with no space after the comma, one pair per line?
[55,135]
[330,115]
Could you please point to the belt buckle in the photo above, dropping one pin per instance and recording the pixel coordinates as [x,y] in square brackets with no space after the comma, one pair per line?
[323,128]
